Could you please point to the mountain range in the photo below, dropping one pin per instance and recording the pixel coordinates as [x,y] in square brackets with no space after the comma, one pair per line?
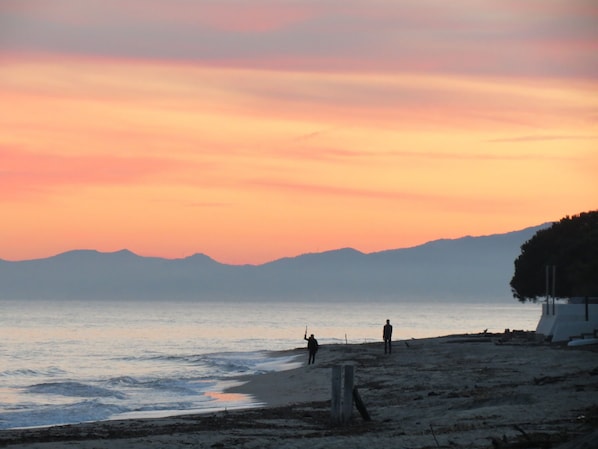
[468,268]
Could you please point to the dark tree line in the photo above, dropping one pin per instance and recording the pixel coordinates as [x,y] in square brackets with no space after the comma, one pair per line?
[570,245]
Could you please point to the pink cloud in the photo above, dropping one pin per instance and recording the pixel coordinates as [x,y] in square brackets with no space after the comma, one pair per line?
[245,17]
[225,15]
[25,173]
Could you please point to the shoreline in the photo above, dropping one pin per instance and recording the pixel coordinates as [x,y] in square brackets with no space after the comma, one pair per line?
[452,391]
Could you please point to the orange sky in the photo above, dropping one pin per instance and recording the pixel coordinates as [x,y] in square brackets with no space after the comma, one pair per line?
[292,127]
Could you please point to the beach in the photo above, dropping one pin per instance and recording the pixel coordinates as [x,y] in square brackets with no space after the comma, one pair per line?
[460,391]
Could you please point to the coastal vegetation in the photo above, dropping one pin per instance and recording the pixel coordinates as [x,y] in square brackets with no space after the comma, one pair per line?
[561,260]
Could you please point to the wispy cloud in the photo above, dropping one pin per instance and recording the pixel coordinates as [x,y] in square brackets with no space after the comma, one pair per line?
[24,172]
[501,38]
[341,191]
[483,155]
[404,199]
[540,138]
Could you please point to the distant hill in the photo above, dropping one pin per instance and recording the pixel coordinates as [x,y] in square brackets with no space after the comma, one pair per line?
[468,268]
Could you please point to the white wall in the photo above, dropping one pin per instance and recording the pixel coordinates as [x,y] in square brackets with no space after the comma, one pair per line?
[568,320]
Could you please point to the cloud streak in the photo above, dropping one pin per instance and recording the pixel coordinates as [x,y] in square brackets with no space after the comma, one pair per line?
[540,138]
[466,37]
[25,172]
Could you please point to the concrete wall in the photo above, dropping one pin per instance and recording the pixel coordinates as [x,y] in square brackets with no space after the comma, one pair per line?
[567,320]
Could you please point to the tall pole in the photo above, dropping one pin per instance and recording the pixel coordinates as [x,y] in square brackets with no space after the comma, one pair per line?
[553,288]
[547,274]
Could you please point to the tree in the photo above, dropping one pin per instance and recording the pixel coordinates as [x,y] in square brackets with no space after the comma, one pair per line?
[570,245]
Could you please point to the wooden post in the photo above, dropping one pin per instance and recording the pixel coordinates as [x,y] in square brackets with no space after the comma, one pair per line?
[348,394]
[335,403]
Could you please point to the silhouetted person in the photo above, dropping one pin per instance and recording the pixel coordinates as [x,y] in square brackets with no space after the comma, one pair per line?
[387,337]
[312,347]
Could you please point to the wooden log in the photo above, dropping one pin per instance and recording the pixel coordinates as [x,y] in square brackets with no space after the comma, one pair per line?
[360,405]
[347,403]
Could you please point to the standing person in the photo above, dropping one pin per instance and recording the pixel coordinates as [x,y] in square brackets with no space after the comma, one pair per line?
[312,347]
[387,337]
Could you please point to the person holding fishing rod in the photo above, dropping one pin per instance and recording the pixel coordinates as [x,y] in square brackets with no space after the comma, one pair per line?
[312,347]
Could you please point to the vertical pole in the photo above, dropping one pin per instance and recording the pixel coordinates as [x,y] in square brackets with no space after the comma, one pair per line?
[335,403]
[553,289]
[547,291]
[587,302]
[348,394]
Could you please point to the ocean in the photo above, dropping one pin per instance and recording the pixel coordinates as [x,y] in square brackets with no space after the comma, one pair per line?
[70,361]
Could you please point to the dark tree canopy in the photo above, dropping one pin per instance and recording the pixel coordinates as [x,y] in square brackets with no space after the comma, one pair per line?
[571,245]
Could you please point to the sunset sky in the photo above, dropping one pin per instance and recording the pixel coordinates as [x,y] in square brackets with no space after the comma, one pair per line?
[253,130]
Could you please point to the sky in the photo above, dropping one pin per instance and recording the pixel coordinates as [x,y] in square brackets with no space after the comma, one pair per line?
[254,130]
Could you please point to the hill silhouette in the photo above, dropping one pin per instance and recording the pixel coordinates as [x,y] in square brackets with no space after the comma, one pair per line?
[468,268]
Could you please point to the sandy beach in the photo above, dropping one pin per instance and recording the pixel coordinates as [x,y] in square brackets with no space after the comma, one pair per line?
[463,391]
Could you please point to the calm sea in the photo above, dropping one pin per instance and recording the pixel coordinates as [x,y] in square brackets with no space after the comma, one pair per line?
[67,361]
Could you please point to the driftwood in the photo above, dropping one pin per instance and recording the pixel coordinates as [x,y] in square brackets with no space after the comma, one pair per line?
[527,440]
[548,380]
[360,405]
[434,435]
